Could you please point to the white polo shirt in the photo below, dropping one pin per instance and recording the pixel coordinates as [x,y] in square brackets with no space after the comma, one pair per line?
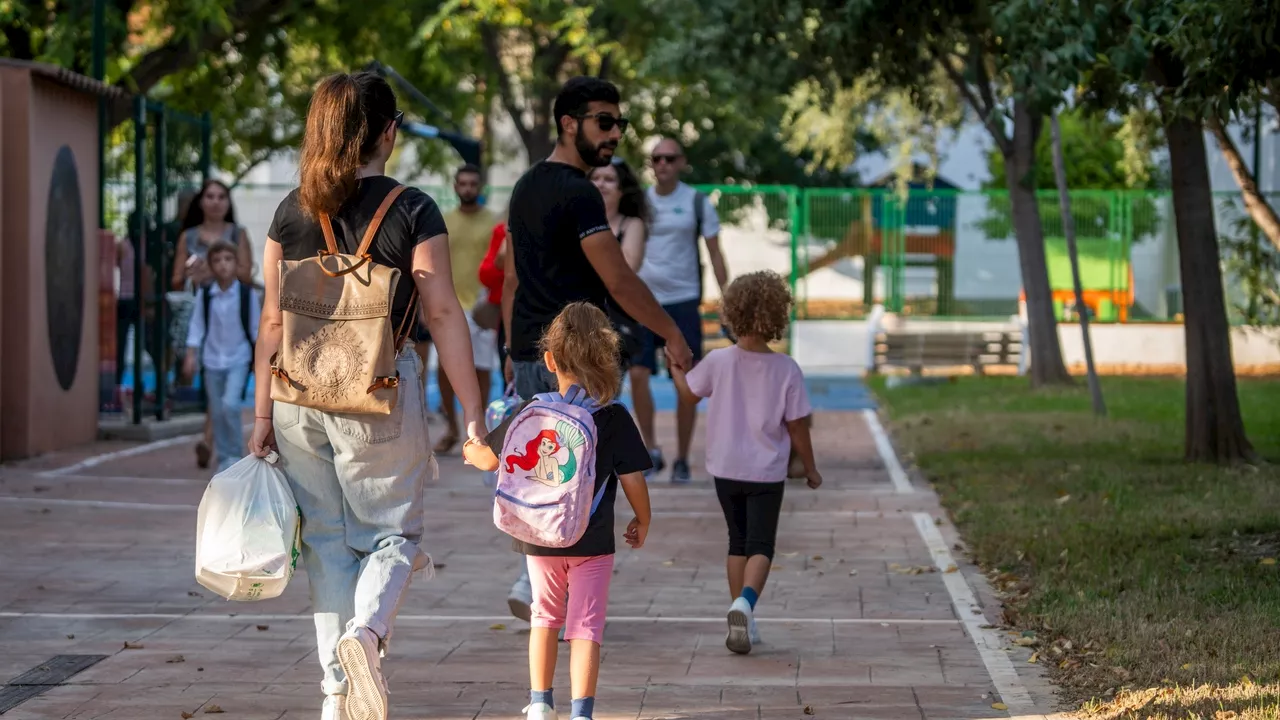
[671,268]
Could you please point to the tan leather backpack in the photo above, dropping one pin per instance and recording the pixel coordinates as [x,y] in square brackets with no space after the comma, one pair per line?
[338,353]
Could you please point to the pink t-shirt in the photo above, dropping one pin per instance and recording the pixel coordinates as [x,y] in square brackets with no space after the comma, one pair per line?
[752,397]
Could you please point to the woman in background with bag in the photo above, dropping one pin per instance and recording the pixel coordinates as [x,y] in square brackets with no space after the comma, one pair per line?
[339,388]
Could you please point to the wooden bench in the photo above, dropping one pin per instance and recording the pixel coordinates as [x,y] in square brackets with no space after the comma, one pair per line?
[918,350]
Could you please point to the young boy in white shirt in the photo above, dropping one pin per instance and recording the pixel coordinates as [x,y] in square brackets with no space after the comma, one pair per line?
[223,330]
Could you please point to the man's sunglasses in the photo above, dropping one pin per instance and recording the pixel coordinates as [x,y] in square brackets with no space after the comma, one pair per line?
[607,121]
[659,159]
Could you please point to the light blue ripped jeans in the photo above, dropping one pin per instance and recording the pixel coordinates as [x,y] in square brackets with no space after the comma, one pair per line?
[359,480]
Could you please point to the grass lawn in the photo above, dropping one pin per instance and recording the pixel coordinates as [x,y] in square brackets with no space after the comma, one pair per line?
[1152,586]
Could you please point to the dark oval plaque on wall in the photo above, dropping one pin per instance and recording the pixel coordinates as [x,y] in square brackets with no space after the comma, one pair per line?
[64,267]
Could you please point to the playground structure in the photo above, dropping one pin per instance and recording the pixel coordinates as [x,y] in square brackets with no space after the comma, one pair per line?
[1106,277]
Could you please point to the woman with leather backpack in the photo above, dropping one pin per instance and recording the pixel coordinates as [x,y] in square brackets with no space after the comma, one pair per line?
[339,389]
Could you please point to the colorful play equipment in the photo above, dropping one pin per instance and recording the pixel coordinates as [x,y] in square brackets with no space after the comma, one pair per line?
[1106,276]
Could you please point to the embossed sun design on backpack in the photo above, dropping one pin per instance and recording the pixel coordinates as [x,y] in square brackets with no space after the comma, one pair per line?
[338,353]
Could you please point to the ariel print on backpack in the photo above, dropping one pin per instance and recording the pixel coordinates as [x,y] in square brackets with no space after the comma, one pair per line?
[545,492]
[543,452]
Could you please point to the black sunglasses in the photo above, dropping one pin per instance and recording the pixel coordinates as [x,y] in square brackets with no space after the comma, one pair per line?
[659,159]
[398,119]
[607,121]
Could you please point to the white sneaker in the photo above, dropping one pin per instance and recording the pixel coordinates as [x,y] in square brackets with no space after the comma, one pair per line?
[334,708]
[754,632]
[367,691]
[521,598]
[740,620]
[540,711]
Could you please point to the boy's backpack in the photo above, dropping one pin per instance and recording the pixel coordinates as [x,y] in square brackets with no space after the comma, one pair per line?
[338,353]
[547,471]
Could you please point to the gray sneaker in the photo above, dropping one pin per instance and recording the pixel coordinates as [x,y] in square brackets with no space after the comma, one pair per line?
[521,598]
[659,464]
[740,620]
[680,474]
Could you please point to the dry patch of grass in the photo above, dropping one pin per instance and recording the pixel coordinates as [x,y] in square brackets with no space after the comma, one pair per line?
[1245,700]
[1132,569]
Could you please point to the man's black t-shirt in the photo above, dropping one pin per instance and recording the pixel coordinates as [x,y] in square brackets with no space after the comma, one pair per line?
[553,208]
[413,218]
[619,450]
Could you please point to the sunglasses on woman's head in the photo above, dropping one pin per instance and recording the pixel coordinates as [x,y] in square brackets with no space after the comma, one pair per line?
[399,118]
[607,121]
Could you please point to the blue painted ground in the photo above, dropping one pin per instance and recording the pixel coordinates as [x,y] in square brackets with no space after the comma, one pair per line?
[825,393]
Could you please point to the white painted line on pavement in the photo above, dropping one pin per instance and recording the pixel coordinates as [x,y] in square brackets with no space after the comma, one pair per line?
[402,618]
[988,641]
[127,452]
[120,455]
[890,459]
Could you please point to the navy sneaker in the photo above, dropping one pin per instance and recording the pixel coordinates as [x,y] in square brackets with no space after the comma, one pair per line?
[658,463]
[680,473]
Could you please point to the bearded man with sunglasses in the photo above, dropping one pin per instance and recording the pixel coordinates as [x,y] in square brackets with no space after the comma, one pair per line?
[673,271]
[563,250]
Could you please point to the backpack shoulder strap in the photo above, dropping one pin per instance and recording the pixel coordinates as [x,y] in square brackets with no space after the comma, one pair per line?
[205,298]
[698,200]
[374,224]
[246,292]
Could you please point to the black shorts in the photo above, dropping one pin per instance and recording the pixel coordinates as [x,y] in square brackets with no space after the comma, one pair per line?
[630,339]
[688,318]
[751,511]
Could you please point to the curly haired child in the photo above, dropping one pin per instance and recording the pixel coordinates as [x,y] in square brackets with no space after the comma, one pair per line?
[581,348]
[758,409]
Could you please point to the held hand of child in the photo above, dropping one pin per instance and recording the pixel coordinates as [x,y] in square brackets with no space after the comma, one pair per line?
[814,479]
[189,366]
[636,533]
[476,453]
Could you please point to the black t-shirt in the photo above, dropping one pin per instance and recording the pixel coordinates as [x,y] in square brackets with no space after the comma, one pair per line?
[413,219]
[553,208]
[619,450]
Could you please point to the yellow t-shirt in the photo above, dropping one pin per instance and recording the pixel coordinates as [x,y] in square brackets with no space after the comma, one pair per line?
[469,235]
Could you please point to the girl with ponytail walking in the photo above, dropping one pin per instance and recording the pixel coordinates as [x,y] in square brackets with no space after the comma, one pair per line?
[357,459]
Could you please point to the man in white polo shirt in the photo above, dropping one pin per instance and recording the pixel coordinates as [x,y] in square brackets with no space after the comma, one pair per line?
[673,271]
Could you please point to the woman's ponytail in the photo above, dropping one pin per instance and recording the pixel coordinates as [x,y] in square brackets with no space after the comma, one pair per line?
[346,116]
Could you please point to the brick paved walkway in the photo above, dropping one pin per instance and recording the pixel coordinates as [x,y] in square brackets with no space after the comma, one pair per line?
[102,555]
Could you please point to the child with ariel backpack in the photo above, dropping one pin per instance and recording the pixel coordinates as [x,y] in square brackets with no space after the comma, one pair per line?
[562,456]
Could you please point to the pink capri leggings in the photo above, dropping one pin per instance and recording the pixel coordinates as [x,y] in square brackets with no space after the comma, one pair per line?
[585,582]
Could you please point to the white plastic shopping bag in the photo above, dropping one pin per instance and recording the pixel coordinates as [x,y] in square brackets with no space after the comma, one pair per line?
[248,534]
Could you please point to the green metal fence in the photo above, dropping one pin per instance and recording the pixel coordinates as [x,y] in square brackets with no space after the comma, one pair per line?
[147,162]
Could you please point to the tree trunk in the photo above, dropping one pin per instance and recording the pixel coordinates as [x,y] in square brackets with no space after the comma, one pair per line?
[1047,367]
[1215,430]
[1259,209]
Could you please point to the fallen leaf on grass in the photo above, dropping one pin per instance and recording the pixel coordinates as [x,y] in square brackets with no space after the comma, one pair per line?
[1268,561]
[1224,715]
[176,659]
[263,628]
[1025,642]
[498,626]
[132,645]
[213,710]
[1035,657]
[999,706]
[1063,500]
[808,709]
